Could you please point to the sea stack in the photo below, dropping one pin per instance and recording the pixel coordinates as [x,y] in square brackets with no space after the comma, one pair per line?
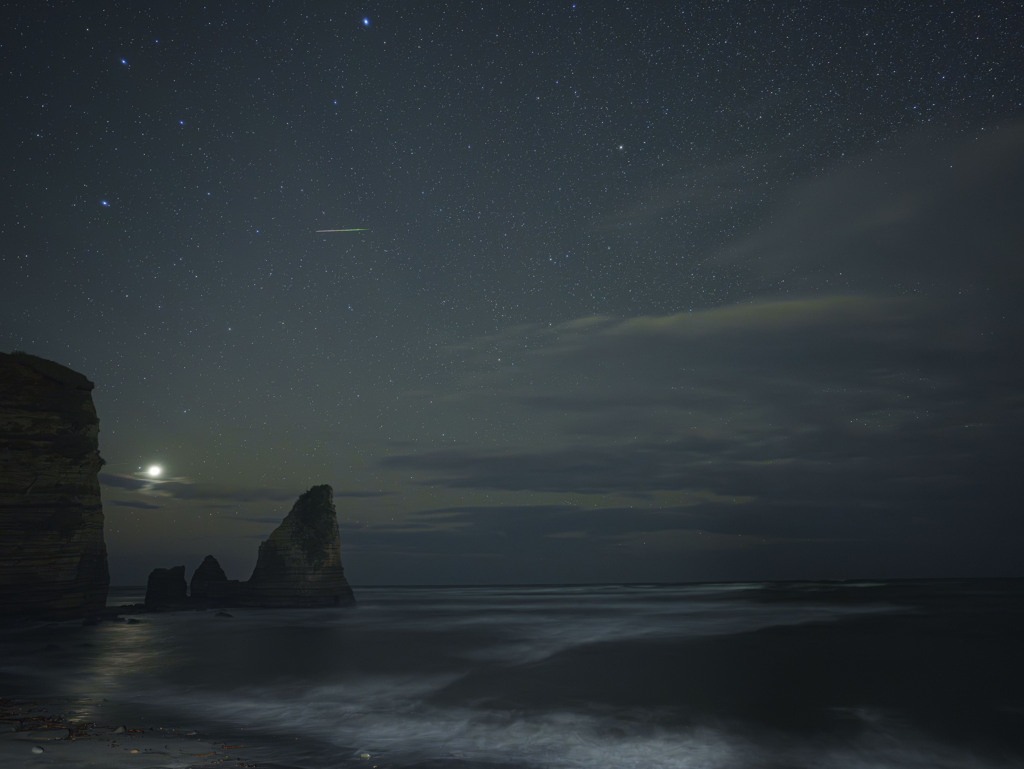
[208,580]
[53,560]
[166,589]
[210,586]
[300,563]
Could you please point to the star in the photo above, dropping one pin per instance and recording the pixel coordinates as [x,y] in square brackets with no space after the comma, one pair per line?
[637,216]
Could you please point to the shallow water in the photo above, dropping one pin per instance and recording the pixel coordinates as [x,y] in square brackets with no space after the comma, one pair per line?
[904,674]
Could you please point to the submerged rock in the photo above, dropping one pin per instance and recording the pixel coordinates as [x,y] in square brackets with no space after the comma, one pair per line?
[53,560]
[300,563]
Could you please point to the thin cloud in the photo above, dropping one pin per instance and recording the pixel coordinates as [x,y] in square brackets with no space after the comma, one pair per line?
[183,489]
[132,505]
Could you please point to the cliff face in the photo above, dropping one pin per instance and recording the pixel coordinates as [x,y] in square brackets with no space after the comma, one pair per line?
[300,563]
[53,560]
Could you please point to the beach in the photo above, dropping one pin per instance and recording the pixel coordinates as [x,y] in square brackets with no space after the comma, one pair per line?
[36,734]
[892,675]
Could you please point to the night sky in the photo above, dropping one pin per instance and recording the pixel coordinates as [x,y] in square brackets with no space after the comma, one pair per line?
[646,292]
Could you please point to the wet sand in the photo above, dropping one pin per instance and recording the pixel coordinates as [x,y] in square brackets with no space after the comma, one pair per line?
[37,734]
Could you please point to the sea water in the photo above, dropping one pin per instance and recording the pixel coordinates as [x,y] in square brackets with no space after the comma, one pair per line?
[766,675]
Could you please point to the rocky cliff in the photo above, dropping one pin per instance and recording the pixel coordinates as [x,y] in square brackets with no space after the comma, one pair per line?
[300,563]
[53,560]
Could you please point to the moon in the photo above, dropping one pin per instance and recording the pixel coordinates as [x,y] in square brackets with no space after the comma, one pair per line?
[154,471]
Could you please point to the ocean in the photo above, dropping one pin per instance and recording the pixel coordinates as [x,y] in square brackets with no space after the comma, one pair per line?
[769,675]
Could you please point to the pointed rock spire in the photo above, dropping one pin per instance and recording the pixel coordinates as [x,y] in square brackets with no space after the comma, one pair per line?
[300,563]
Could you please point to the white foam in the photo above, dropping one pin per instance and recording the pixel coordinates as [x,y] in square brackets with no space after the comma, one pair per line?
[389,720]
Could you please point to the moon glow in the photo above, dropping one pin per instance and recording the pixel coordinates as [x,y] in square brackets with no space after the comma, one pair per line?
[154,471]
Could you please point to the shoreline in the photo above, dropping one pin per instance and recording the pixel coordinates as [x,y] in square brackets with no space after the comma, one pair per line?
[34,732]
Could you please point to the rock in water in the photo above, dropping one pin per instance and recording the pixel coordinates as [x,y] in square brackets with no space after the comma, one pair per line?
[53,560]
[166,589]
[207,580]
[210,586]
[300,563]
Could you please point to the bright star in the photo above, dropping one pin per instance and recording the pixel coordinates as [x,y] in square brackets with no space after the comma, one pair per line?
[366,22]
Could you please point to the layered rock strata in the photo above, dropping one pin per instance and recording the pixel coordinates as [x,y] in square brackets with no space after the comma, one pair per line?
[53,560]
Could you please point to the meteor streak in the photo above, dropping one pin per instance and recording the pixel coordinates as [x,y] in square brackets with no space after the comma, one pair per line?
[348,229]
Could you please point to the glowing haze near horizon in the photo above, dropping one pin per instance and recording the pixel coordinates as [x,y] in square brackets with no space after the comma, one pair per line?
[665,292]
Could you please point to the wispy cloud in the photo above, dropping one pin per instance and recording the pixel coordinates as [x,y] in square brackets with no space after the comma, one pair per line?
[138,505]
[871,380]
[180,488]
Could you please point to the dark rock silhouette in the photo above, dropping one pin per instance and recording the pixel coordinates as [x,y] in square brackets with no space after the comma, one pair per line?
[300,563]
[166,589]
[210,586]
[53,560]
[207,580]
